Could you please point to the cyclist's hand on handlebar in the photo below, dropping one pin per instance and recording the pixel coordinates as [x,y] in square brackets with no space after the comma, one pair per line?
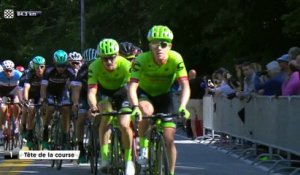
[75,108]
[41,101]
[136,112]
[93,111]
[25,102]
[184,112]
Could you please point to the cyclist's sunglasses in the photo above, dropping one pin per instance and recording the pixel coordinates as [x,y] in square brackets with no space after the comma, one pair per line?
[75,63]
[61,65]
[161,44]
[111,58]
[36,66]
[8,70]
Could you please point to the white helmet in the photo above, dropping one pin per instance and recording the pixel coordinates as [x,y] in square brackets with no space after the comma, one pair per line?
[75,56]
[8,65]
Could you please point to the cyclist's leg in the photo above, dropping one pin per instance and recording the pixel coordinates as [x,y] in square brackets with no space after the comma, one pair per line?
[126,132]
[2,120]
[46,120]
[169,133]
[30,125]
[24,120]
[82,115]
[65,111]
[16,113]
[147,109]
[164,104]
[104,132]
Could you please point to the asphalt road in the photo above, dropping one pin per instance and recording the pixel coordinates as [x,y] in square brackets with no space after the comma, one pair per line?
[193,158]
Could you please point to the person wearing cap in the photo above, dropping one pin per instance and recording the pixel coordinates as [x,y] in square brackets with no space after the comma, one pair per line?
[272,85]
[283,63]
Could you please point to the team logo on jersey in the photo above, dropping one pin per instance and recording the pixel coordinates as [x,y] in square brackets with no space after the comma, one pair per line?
[90,74]
[180,66]
[136,67]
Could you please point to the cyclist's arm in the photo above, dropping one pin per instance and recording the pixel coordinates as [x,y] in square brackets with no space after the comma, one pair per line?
[92,99]
[26,91]
[132,92]
[75,86]
[185,92]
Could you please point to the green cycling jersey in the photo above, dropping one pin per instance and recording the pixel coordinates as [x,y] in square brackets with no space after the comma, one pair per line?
[157,79]
[110,80]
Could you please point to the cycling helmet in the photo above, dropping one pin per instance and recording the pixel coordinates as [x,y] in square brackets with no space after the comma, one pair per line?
[20,68]
[75,56]
[108,47]
[89,55]
[128,50]
[8,65]
[60,57]
[160,33]
[38,60]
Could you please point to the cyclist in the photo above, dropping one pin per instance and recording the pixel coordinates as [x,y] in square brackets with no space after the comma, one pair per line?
[55,83]
[89,55]
[152,76]
[21,69]
[9,80]
[75,60]
[109,76]
[129,51]
[31,95]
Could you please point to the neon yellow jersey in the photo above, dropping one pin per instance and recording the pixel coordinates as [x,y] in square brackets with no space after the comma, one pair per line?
[157,79]
[110,80]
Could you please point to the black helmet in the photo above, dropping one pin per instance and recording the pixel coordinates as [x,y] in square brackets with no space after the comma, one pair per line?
[128,50]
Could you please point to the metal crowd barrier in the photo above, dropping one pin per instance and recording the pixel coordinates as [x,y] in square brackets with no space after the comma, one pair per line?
[269,121]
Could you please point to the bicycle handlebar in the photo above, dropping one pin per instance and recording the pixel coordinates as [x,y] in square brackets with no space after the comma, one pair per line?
[112,113]
[162,116]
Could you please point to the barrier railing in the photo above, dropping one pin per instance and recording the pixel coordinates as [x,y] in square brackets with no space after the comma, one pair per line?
[270,121]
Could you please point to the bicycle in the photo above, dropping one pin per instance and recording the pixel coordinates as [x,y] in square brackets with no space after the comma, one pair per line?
[158,161]
[9,124]
[12,137]
[56,133]
[116,151]
[38,126]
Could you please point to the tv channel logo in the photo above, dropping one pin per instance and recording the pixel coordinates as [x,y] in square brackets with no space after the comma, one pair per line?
[8,14]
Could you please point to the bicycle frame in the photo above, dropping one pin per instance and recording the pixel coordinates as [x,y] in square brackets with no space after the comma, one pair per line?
[158,162]
[9,124]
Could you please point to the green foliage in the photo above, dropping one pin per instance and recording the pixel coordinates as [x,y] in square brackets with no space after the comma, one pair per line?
[209,34]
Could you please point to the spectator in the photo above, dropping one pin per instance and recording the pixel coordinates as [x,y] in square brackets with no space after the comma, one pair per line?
[239,75]
[272,86]
[283,63]
[224,89]
[249,74]
[195,105]
[292,85]
[293,52]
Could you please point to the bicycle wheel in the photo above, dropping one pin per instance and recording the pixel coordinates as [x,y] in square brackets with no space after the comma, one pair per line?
[117,160]
[151,155]
[56,140]
[95,149]
[163,166]
[38,130]
[91,152]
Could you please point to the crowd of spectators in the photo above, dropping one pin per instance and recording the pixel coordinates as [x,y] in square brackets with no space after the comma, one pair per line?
[280,76]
